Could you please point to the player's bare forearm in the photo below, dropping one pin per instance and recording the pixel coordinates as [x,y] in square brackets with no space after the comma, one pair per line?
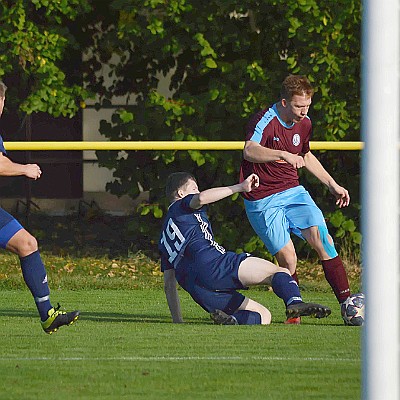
[256,153]
[215,194]
[171,294]
[212,195]
[315,167]
[10,168]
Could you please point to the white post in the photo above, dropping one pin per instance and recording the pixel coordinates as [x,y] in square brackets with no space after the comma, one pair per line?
[380,198]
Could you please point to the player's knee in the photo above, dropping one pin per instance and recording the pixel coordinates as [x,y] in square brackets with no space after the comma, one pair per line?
[265,314]
[27,245]
[266,317]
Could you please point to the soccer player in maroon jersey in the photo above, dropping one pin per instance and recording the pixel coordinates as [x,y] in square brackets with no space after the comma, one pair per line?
[277,144]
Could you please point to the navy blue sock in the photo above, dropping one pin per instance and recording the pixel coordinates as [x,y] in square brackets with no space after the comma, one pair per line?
[35,277]
[246,317]
[286,288]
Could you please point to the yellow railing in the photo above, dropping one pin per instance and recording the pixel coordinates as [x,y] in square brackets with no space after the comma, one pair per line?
[159,145]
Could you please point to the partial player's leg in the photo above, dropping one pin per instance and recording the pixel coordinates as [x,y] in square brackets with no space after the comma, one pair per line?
[15,238]
[318,237]
[269,221]
[254,271]
[308,222]
[249,313]
[251,305]
[287,258]
[257,271]
[224,306]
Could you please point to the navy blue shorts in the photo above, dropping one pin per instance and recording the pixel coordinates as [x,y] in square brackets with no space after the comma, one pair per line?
[9,226]
[216,285]
[222,273]
[211,300]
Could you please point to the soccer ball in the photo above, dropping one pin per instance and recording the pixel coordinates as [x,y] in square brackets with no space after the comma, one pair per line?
[353,310]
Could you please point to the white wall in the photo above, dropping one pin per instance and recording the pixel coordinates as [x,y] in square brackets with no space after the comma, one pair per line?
[95,177]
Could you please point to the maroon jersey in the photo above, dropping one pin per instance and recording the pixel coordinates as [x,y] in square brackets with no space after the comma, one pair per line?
[267,129]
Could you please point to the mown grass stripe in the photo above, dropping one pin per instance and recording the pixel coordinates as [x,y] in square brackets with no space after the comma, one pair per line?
[183,358]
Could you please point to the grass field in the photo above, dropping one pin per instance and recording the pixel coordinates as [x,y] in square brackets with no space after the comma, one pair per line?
[124,346]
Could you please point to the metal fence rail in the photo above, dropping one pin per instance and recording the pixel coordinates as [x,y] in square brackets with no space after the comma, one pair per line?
[162,145]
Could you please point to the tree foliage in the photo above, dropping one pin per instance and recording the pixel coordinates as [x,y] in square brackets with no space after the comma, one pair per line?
[224,60]
[34,49]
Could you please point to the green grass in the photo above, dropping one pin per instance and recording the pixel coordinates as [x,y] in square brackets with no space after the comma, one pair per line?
[124,347]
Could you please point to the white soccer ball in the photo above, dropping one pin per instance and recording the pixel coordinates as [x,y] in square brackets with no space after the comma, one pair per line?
[353,310]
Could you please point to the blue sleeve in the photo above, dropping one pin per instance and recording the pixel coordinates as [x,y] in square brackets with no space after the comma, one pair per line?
[2,149]
[165,264]
[185,204]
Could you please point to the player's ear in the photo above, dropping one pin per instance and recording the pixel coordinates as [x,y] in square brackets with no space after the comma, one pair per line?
[181,194]
[284,103]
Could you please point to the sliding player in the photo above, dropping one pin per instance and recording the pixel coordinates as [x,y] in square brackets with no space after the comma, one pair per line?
[209,273]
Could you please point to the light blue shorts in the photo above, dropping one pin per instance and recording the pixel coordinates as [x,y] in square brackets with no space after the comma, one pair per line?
[275,217]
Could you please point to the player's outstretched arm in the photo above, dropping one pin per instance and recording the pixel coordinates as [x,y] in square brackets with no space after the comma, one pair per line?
[214,194]
[171,293]
[10,168]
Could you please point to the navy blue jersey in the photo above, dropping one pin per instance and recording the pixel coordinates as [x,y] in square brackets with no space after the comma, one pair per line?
[187,241]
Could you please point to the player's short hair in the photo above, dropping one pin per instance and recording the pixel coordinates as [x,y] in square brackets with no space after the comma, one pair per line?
[296,85]
[176,181]
[3,89]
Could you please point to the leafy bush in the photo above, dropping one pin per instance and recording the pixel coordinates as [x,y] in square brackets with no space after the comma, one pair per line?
[224,60]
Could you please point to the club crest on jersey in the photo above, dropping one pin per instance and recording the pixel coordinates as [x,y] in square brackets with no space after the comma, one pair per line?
[296,139]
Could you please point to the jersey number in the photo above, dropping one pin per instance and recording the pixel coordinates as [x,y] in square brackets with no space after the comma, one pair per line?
[172,239]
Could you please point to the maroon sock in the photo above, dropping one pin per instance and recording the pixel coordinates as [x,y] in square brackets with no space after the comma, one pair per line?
[294,276]
[336,276]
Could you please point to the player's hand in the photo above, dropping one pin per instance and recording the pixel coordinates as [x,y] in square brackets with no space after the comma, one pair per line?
[294,160]
[33,171]
[341,194]
[251,182]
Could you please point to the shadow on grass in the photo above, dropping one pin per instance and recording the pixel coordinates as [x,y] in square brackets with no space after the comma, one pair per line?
[104,317]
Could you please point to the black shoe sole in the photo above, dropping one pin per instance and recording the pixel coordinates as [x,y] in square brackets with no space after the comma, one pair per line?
[221,318]
[307,310]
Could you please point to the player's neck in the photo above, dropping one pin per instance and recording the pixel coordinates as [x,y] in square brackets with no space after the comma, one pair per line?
[282,113]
